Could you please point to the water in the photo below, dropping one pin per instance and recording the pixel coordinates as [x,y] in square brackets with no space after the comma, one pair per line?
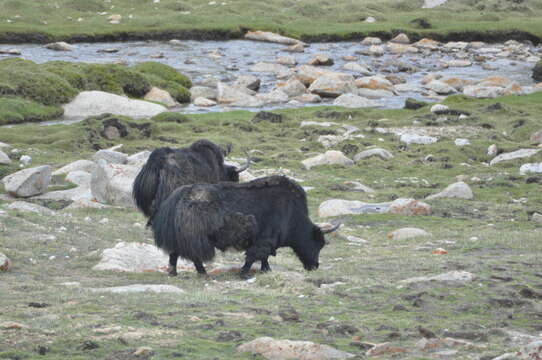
[192,58]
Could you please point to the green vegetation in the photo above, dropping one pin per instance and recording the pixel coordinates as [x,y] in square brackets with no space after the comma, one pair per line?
[173,117]
[33,92]
[309,19]
[14,111]
[357,285]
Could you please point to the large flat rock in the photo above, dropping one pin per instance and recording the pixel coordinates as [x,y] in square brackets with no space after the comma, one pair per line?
[139,288]
[137,257]
[273,349]
[93,103]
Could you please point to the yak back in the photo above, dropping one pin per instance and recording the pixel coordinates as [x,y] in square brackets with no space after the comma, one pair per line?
[167,169]
[197,218]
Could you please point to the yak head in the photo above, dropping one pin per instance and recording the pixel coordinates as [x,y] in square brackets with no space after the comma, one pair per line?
[309,251]
[232,173]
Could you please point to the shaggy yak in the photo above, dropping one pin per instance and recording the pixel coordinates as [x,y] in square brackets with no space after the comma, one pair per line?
[258,216]
[167,169]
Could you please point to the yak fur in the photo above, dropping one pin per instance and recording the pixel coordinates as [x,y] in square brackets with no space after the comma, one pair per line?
[259,217]
[167,169]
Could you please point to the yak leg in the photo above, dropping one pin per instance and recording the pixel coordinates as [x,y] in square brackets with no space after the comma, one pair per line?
[200,268]
[245,270]
[265,266]
[172,268]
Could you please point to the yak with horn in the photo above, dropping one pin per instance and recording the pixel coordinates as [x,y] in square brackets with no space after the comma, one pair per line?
[257,217]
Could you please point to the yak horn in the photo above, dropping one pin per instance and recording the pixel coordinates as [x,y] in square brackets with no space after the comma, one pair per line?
[330,230]
[246,166]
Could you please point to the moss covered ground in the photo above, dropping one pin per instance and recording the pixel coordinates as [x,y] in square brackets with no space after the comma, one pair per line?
[353,296]
[34,92]
[81,20]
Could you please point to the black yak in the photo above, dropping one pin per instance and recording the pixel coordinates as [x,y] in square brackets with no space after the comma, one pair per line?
[258,216]
[167,169]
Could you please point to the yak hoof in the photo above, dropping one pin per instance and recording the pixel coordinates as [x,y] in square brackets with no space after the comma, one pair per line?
[172,271]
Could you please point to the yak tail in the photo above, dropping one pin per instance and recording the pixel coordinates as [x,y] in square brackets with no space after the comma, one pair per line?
[146,183]
[185,224]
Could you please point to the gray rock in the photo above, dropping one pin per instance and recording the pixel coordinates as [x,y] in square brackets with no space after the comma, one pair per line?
[271,37]
[79,165]
[28,182]
[530,168]
[112,183]
[4,159]
[111,157]
[407,233]
[204,92]
[453,277]
[401,39]
[25,160]
[162,96]
[273,97]
[338,207]
[277,69]
[309,98]
[429,4]
[492,150]
[358,68]
[248,81]
[375,50]
[30,207]
[93,103]
[204,102]
[439,107]
[478,91]
[379,152]
[331,140]
[293,87]
[273,349]
[138,159]
[371,41]
[357,186]
[137,257]
[78,177]
[518,154]
[287,60]
[332,85]
[229,94]
[440,87]
[374,93]
[321,60]
[330,157]
[458,190]
[59,46]
[537,218]
[139,288]
[417,139]
[5,263]
[459,63]
[354,101]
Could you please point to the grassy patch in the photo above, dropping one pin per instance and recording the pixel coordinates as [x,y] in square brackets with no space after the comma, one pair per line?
[306,18]
[356,291]
[32,92]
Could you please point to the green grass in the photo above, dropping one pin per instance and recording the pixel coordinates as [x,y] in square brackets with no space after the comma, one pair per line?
[306,18]
[33,92]
[366,293]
